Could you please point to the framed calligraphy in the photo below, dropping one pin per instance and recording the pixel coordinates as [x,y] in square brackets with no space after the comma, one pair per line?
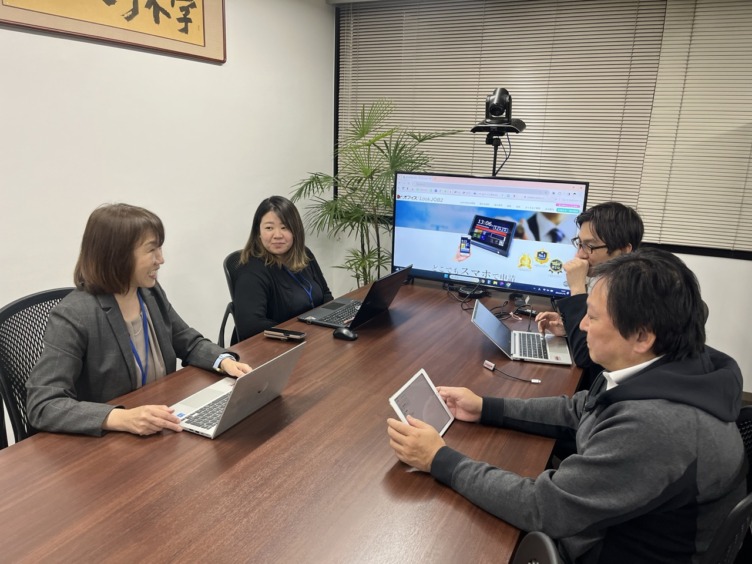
[194,28]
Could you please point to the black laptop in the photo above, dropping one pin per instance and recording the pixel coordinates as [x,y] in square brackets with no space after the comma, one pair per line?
[344,312]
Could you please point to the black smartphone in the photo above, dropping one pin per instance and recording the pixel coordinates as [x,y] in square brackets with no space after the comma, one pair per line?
[284,334]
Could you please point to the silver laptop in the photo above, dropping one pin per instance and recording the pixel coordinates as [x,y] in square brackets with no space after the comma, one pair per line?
[344,312]
[520,345]
[216,408]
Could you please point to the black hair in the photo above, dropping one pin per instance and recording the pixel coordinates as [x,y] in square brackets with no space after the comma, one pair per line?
[617,225]
[653,290]
[296,259]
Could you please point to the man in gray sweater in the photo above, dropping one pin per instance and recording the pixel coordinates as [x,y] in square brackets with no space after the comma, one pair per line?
[659,459]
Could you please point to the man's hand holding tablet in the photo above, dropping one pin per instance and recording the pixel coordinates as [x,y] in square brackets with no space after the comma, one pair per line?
[424,417]
[420,399]
[462,403]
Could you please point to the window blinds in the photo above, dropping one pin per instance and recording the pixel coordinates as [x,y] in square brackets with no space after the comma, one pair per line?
[621,93]
[697,187]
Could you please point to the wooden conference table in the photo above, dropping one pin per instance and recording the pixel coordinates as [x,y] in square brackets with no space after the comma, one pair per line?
[308,478]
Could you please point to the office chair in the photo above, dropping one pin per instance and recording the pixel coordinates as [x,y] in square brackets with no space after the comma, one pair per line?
[728,540]
[733,541]
[744,423]
[22,326]
[231,264]
[536,548]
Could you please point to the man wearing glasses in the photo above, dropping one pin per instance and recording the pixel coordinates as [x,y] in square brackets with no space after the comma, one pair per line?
[606,231]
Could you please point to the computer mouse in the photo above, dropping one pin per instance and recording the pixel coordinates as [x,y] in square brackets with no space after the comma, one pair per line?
[345,333]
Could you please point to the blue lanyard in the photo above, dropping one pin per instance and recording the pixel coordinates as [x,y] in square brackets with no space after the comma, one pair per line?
[308,290]
[144,368]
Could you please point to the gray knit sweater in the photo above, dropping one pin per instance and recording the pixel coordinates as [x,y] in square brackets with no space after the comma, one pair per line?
[659,463]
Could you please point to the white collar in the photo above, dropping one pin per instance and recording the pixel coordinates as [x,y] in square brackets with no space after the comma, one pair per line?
[617,377]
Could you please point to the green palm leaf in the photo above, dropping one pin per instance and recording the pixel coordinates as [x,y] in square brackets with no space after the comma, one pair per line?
[369,152]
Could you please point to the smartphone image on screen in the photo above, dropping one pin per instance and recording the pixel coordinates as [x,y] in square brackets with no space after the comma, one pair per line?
[492,234]
[465,245]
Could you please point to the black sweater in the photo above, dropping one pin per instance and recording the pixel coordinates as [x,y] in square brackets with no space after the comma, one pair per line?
[268,295]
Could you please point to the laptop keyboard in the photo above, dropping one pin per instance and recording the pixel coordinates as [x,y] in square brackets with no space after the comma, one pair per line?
[342,315]
[533,345]
[208,416]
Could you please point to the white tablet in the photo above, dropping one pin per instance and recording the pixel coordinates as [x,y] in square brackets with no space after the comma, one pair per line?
[420,399]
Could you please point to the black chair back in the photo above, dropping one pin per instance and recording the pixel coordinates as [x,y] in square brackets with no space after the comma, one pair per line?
[733,539]
[22,327]
[230,264]
[730,536]
[744,423]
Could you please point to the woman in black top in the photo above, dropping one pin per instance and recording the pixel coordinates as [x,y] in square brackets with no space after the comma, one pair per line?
[278,277]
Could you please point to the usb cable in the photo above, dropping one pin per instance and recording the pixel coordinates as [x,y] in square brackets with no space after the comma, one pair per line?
[492,367]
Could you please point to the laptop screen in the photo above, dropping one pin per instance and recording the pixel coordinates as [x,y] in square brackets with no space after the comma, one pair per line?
[492,327]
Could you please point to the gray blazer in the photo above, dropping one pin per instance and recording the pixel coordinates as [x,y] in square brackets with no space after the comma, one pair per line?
[87,359]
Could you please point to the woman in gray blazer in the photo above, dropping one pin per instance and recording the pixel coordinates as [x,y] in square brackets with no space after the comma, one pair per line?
[114,333]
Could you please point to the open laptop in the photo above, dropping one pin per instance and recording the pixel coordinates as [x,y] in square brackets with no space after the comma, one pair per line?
[344,312]
[520,345]
[216,408]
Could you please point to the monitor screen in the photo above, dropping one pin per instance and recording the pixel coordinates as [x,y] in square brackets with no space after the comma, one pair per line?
[507,233]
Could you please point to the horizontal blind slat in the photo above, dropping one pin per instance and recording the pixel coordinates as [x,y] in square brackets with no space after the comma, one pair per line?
[647,100]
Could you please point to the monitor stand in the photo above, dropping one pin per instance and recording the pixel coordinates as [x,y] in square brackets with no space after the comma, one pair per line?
[471,292]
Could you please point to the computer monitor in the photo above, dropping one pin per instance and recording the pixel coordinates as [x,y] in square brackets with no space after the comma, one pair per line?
[511,234]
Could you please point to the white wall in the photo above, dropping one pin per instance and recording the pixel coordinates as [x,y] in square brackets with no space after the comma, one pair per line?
[725,288]
[200,144]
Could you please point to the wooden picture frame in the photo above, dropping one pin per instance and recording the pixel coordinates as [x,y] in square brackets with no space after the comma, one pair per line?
[193,28]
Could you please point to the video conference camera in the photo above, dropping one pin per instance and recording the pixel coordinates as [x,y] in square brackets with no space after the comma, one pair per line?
[499,115]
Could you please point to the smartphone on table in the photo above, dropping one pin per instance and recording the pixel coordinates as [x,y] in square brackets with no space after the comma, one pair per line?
[284,334]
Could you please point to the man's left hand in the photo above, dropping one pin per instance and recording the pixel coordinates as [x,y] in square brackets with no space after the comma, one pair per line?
[415,443]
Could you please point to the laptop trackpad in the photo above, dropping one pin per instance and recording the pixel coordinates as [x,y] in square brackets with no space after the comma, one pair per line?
[202,397]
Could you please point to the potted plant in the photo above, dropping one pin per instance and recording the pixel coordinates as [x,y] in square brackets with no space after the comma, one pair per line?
[369,153]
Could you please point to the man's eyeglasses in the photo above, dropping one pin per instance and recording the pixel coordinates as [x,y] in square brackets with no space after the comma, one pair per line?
[587,247]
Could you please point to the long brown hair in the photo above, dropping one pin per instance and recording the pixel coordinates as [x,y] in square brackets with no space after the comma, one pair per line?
[106,261]
[295,259]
